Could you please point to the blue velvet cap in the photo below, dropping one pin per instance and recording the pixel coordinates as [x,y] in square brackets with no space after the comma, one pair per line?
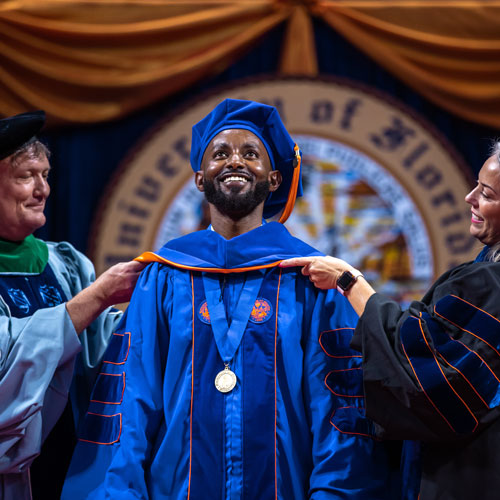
[265,122]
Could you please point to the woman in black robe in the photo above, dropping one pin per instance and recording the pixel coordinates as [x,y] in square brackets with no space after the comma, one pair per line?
[432,372]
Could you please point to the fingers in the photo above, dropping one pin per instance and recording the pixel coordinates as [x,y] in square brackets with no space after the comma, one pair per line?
[136,266]
[305,271]
[124,269]
[296,261]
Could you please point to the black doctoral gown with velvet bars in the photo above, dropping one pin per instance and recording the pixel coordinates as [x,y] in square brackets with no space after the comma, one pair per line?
[432,374]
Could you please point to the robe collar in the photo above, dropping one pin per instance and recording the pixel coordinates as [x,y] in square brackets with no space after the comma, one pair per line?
[483,254]
[263,247]
[29,256]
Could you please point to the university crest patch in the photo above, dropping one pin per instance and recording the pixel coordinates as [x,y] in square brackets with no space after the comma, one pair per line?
[203,314]
[261,312]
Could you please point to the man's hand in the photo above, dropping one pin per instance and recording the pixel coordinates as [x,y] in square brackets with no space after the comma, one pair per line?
[322,271]
[114,286]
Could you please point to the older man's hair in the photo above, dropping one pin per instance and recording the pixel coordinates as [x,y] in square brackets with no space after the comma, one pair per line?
[33,149]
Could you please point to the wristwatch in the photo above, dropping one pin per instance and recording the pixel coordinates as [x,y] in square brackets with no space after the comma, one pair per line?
[346,280]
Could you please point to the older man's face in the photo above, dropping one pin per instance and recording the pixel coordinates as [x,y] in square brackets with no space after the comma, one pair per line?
[23,192]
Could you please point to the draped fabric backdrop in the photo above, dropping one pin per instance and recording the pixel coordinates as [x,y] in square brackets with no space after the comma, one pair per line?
[106,70]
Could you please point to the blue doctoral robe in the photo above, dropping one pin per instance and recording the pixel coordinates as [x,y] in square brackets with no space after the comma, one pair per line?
[292,428]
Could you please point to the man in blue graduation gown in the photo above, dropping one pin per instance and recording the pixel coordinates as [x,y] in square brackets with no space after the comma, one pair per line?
[50,310]
[231,378]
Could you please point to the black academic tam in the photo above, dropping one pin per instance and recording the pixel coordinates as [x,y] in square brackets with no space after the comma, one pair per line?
[15,131]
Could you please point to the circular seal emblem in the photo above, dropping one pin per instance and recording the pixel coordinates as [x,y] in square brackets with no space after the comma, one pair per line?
[261,312]
[382,189]
[203,314]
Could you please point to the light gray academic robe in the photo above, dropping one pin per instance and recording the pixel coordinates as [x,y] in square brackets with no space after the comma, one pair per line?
[37,362]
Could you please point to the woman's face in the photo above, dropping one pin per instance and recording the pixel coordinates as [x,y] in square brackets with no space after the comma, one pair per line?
[485,203]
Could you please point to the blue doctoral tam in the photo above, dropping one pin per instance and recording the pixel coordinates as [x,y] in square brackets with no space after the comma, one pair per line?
[265,122]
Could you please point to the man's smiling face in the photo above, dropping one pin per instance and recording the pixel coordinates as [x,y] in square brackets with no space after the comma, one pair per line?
[236,174]
[23,192]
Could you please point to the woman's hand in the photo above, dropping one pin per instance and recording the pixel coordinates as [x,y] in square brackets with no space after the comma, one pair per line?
[322,271]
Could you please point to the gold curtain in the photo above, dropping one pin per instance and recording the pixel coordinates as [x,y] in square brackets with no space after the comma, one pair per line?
[94,60]
[447,50]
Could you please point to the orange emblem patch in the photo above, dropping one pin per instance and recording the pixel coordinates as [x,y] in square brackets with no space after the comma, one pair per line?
[262,311]
[203,313]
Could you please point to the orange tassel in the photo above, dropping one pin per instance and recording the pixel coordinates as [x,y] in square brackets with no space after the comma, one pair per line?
[292,195]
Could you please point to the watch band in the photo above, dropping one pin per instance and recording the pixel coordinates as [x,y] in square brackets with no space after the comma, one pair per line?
[347,279]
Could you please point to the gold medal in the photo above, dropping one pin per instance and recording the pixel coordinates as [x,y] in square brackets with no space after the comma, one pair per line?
[225,380]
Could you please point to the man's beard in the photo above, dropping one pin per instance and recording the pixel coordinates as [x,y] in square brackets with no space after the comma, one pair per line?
[233,205]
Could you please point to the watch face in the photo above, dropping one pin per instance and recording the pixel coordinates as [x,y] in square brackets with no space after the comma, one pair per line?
[346,280]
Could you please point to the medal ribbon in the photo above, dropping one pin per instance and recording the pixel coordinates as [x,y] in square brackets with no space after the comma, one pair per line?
[228,337]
